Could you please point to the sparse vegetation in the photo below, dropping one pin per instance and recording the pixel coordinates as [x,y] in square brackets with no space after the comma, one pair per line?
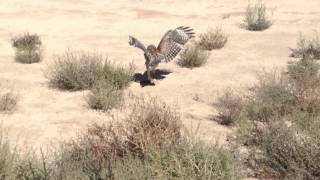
[256,18]
[152,123]
[213,39]
[270,98]
[104,97]
[280,116]
[28,48]
[148,147]
[192,56]
[291,151]
[307,47]
[8,100]
[79,71]
[229,106]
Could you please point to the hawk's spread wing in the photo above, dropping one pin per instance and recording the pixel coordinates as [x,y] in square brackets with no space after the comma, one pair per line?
[172,42]
[136,43]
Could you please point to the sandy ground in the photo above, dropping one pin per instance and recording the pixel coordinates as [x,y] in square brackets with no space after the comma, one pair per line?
[45,115]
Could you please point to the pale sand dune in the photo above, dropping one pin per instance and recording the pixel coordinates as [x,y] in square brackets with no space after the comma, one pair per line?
[44,115]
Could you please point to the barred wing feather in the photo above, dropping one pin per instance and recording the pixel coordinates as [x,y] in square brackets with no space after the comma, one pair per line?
[172,42]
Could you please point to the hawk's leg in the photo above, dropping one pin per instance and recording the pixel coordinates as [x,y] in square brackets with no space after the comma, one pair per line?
[149,71]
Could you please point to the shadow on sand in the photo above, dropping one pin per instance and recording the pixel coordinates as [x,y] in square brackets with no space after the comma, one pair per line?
[143,78]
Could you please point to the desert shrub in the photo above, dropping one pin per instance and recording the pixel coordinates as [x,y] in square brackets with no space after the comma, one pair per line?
[307,47]
[256,18]
[213,39]
[28,48]
[8,100]
[78,71]
[291,152]
[180,161]
[281,123]
[305,80]
[152,123]
[147,145]
[32,166]
[7,156]
[183,161]
[192,56]
[229,106]
[118,76]
[149,124]
[104,97]
[270,98]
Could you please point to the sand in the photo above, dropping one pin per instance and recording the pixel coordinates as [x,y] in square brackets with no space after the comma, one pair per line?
[45,115]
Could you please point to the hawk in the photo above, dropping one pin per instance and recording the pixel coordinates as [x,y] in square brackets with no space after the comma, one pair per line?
[170,45]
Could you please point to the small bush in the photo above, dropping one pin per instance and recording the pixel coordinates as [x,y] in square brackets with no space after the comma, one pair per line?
[281,123]
[292,152]
[8,100]
[271,98]
[307,47]
[213,39]
[229,106]
[79,71]
[183,161]
[305,80]
[256,18]
[28,48]
[152,123]
[192,56]
[149,147]
[149,124]
[7,157]
[104,97]
[179,161]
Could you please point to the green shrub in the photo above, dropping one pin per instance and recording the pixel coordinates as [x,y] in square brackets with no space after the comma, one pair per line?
[192,56]
[256,18]
[79,71]
[307,47]
[213,39]
[229,106]
[28,48]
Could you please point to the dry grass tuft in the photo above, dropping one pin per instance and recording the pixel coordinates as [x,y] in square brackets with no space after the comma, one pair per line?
[229,106]
[28,48]
[256,18]
[104,97]
[79,71]
[307,47]
[8,100]
[192,56]
[213,39]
